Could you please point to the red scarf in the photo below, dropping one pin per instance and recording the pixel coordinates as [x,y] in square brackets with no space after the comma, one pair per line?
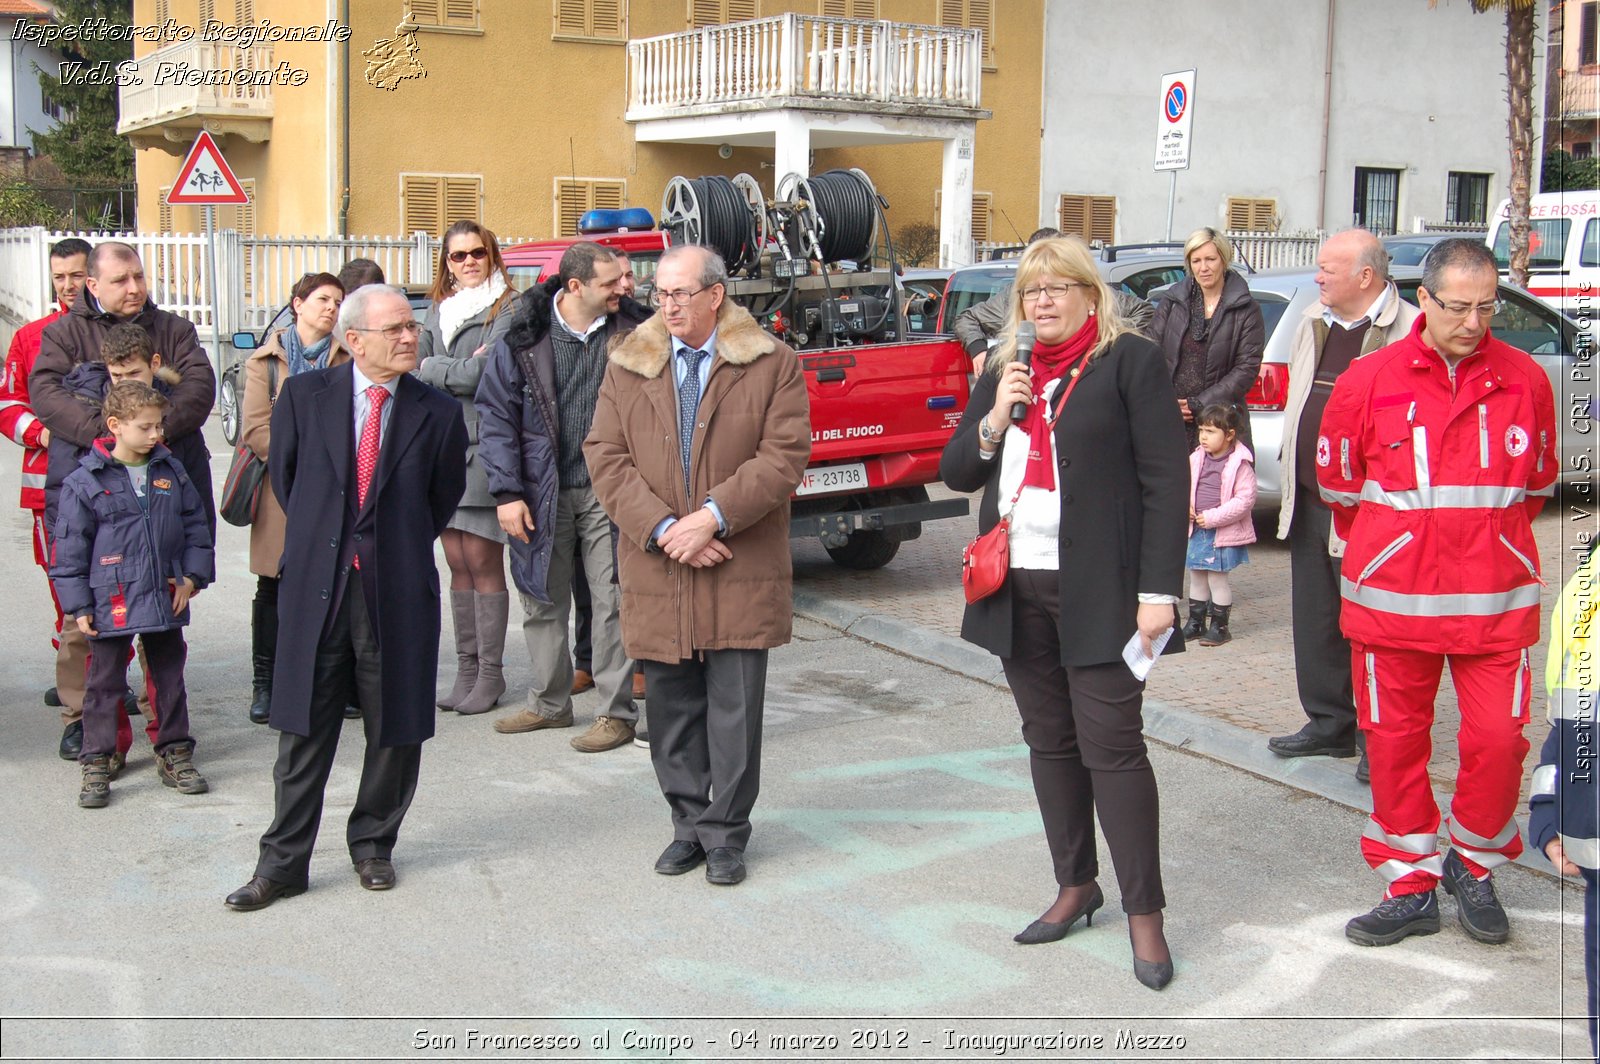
[1051,362]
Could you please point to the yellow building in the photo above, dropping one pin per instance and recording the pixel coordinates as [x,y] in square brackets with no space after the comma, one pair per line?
[523,113]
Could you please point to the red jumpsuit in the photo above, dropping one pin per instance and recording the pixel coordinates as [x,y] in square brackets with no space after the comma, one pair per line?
[1434,483]
[18,424]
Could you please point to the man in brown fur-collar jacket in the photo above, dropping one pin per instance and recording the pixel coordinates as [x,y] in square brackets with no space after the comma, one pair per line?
[701,434]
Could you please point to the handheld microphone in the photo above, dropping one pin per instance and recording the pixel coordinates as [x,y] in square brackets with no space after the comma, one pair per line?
[1025,341]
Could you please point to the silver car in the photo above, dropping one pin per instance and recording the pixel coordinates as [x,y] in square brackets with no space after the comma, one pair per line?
[1523,322]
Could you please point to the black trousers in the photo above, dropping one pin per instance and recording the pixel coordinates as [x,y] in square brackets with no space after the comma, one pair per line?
[1321,652]
[704,716]
[106,685]
[1085,737]
[347,664]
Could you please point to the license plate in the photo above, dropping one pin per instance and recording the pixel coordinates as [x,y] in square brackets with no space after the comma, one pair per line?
[820,480]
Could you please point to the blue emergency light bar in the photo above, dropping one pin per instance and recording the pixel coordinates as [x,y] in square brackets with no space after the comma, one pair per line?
[610,221]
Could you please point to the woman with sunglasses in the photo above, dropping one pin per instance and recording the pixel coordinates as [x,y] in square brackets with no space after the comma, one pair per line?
[471,310]
[307,344]
[1211,331]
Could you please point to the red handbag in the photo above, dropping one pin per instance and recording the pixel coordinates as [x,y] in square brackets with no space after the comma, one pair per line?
[987,559]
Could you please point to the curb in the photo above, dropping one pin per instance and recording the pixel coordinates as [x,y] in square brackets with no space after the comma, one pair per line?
[1176,728]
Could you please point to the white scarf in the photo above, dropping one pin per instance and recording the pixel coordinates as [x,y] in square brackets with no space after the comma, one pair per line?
[466,304]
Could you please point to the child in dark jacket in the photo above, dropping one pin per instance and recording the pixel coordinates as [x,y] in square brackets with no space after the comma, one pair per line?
[126,354]
[130,548]
[1564,800]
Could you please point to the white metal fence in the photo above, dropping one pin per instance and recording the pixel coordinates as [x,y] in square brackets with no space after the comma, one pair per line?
[254,274]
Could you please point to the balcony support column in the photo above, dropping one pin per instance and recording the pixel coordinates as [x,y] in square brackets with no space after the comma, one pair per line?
[791,146]
[955,198]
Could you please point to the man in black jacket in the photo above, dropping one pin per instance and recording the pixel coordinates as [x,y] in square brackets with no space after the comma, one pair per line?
[363,454]
[535,404]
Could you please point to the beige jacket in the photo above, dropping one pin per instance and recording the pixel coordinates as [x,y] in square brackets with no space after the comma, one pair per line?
[751,443]
[1393,323]
[255,412]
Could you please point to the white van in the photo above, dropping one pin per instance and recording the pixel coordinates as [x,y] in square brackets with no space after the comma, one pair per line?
[1563,249]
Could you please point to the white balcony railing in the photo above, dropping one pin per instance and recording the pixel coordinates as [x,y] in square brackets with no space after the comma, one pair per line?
[821,60]
[238,86]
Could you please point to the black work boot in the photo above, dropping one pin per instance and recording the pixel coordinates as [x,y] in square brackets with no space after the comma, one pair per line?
[263,655]
[1394,919]
[1477,907]
[1197,619]
[1216,632]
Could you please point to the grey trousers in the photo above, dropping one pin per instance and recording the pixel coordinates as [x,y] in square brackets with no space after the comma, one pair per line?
[704,716]
[581,525]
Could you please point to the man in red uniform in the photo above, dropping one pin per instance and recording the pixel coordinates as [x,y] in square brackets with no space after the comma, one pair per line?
[1436,452]
[69,268]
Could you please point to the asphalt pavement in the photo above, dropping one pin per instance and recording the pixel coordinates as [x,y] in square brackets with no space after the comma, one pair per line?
[897,849]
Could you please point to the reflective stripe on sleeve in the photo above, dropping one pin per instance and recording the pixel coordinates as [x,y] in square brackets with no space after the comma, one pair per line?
[1338,498]
[1544,780]
[1484,604]
[1445,497]
[1585,853]
[1569,703]
[33,480]
[1548,491]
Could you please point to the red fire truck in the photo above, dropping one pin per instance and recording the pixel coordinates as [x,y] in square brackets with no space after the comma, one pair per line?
[815,266]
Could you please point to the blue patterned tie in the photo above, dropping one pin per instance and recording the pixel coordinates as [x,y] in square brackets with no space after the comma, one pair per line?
[688,404]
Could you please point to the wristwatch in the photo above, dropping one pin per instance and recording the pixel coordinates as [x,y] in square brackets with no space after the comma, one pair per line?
[985,434]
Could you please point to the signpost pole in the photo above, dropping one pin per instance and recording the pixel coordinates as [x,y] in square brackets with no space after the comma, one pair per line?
[211,285]
[1172,198]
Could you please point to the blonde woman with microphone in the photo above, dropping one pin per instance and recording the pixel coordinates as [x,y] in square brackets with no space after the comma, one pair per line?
[1084,447]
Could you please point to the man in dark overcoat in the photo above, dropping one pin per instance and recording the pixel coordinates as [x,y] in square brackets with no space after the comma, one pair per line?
[369,464]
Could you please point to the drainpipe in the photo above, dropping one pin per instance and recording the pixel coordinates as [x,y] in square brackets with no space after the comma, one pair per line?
[1327,110]
[344,146]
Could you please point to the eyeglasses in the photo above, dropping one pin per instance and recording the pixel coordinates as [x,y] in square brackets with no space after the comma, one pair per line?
[394,332]
[478,253]
[679,298]
[1461,310]
[1055,291]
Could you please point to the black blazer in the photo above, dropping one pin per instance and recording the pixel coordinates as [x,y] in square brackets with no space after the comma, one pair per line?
[1123,481]
[422,471]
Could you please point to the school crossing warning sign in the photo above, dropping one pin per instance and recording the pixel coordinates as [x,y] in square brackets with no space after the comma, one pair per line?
[205,179]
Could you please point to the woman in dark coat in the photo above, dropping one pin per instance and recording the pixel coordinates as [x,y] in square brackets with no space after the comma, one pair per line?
[1211,331]
[307,344]
[1096,480]
[472,305]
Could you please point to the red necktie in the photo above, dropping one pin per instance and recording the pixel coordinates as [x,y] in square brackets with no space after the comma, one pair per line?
[367,448]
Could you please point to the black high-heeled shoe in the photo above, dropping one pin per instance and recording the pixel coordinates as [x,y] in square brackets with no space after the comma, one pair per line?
[1153,974]
[1045,931]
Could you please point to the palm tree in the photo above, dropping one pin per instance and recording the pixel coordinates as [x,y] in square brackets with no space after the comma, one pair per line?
[1519,127]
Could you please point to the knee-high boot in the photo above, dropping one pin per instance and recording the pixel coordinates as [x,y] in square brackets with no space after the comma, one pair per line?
[463,614]
[492,613]
[263,655]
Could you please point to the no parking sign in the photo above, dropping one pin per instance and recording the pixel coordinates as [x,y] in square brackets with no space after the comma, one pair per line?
[1177,114]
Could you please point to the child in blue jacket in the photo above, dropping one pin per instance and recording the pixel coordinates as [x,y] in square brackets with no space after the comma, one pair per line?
[1564,801]
[131,546]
